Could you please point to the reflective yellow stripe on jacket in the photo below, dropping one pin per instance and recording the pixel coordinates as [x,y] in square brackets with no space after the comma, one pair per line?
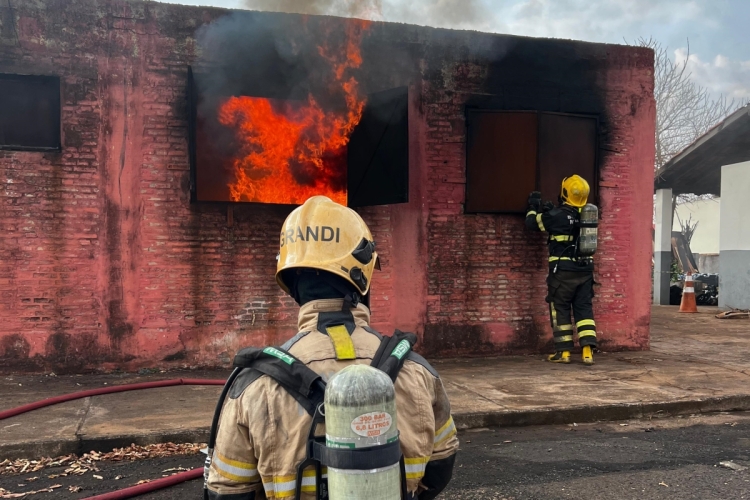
[234,470]
[415,467]
[539,222]
[447,431]
[561,237]
[286,486]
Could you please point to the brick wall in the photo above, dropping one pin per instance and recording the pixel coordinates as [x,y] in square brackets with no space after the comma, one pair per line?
[106,264]
[486,274]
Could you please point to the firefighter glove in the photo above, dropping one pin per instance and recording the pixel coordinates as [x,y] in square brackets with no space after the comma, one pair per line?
[535,200]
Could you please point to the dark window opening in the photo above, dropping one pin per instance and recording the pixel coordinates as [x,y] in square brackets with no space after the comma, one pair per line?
[29,113]
[511,153]
[245,148]
[378,153]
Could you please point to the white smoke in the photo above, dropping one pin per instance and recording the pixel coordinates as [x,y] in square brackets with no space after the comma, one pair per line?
[362,9]
[438,13]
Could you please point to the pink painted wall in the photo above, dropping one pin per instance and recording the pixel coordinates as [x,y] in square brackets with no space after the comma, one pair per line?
[108,265]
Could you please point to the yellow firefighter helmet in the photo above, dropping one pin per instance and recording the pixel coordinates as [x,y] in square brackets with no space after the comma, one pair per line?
[574,191]
[321,234]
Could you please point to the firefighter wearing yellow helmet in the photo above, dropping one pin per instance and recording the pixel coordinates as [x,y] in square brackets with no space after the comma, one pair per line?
[324,236]
[572,241]
[326,262]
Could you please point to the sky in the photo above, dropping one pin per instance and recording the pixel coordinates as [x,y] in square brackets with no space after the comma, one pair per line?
[718,31]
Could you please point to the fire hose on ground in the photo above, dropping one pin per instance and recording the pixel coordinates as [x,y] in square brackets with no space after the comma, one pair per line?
[105,390]
[142,489]
[139,489]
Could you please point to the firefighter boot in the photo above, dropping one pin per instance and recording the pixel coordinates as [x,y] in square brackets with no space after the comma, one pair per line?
[587,355]
[560,357]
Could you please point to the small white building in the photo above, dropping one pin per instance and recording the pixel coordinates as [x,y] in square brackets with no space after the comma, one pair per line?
[704,214]
[718,163]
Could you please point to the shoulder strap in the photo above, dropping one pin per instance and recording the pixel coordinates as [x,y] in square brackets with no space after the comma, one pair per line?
[413,356]
[306,386]
[392,353]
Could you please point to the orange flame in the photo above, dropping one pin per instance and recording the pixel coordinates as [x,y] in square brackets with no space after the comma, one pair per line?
[293,151]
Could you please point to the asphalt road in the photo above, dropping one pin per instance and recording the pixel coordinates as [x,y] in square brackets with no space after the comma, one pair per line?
[661,459]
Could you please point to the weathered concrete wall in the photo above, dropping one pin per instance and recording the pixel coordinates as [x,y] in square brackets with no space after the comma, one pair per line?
[734,256]
[708,263]
[706,214]
[662,246]
[107,264]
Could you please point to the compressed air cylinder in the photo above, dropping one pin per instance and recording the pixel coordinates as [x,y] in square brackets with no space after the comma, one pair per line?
[588,225]
[360,412]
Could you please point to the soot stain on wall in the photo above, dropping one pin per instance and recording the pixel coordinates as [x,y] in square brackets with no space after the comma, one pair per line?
[456,339]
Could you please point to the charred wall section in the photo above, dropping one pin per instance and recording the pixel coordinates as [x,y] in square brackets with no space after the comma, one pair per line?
[108,264]
[488,283]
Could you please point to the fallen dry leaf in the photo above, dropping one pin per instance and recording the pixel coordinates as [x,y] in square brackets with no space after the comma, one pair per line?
[74,489]
[117,478]
[8,494]
[173,469]
[97,477]
[87,462]
[143,481]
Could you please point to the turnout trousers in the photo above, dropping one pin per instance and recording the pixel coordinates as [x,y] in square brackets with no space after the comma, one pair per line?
[574,290]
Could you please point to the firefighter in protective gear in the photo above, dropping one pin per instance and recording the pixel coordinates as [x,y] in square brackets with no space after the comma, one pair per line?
[571,277]
[326,261]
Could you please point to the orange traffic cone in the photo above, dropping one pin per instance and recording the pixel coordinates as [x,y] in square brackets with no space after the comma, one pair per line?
[687,304]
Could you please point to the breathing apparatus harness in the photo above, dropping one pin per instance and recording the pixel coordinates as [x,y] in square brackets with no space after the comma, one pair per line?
[308,389]
[584,237]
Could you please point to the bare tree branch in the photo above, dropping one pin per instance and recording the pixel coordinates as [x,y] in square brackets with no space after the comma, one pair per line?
[684,110]
[688,227]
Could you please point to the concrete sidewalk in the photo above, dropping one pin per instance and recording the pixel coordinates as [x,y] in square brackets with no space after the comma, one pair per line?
[696,364]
